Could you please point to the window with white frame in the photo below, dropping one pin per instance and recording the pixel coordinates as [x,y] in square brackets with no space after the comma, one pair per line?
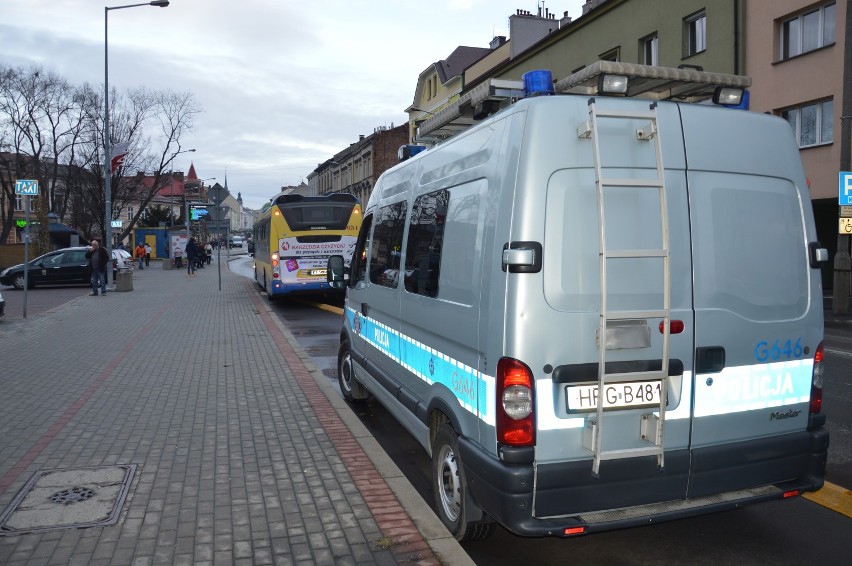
[808,31]
[649,46]
[19,203]
[695,33]
[813,123]
[130,213]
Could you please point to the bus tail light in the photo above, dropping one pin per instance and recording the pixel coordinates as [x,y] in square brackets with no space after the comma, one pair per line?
[276,267]
[515,403]
[817,381]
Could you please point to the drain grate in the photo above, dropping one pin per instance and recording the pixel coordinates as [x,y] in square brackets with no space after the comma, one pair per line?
[68,499]
[73,495]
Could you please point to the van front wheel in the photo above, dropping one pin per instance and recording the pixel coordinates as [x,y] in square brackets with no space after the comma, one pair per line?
[450,488]
[349,386]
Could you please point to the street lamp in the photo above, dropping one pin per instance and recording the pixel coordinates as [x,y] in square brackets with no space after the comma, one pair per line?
[107,157]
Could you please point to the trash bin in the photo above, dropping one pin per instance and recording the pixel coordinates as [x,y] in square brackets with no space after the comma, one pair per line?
[124,280]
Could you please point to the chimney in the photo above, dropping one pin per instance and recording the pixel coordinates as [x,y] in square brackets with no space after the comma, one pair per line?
[566,19]
[497,41]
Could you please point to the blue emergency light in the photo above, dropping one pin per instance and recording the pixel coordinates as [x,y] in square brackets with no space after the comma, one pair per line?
[538,83]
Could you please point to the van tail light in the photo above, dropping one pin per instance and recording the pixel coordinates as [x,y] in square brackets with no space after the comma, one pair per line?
[817,381]
[515,403]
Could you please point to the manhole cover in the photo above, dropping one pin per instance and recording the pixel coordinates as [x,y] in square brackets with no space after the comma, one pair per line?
[64,499]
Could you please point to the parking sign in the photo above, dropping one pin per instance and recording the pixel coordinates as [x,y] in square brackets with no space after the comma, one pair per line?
[845,189]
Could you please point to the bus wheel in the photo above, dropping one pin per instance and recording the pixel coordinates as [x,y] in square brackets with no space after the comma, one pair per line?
[450,489]
[349,386]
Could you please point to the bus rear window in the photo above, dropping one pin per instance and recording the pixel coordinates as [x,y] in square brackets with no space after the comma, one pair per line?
[317,215]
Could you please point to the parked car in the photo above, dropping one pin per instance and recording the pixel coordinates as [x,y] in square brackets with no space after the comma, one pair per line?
[67,266]
[2,305]
[121,259]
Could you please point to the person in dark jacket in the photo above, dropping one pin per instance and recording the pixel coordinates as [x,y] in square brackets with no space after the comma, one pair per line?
[191,256]
[98,264]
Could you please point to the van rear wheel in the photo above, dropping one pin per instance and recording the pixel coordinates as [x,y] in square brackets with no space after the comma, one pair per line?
[450,488]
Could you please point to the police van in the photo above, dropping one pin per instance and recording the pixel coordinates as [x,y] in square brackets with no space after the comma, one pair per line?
[594,311]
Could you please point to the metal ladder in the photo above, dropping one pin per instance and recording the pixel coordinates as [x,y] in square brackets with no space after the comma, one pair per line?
[652,426]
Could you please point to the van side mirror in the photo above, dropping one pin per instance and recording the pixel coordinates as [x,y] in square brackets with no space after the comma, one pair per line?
[335,272]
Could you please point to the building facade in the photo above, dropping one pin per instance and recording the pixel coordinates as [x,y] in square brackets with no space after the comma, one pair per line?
[794,55]
[704,34]
[357,168]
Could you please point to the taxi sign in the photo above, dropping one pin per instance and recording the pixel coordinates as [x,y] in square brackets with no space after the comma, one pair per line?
[26,187]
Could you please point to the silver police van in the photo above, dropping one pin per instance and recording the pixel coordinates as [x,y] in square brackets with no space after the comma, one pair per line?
[594,311]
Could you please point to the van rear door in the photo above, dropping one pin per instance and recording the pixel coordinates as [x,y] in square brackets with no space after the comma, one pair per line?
[758,317]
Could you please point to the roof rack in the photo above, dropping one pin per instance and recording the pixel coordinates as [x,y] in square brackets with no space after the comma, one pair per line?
[644,81]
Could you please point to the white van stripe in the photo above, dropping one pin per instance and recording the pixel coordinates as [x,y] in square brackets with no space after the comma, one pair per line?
[471,388]
[733,390]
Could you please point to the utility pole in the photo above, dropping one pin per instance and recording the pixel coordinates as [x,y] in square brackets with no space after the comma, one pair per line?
[842,259]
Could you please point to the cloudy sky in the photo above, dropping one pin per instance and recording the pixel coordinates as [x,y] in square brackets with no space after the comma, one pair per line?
[284,84]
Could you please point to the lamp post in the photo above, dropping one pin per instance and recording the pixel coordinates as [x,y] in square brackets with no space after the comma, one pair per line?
[107,156]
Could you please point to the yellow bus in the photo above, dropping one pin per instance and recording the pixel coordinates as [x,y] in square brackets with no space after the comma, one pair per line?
[295,235]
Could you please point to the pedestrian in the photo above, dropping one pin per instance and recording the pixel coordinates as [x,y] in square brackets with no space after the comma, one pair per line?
[147,254]
[191,253]
[208,251]
[98,261]
[178,253]
[140,255]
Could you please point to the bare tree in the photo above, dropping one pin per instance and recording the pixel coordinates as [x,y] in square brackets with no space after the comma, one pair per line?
[153,123]
[53,132]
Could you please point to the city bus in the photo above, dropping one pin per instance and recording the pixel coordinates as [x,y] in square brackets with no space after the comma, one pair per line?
[294,237]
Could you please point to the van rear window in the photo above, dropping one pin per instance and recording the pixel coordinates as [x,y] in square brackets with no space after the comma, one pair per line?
[749,241]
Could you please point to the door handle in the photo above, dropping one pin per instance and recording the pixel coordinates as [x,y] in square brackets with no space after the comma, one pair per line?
[365,309]
[709,359]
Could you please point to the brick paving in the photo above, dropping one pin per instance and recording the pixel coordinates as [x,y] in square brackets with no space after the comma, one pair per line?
[244,454]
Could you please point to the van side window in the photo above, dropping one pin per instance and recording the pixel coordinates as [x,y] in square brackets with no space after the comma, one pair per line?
[386,246]
[425,242]
[358,268]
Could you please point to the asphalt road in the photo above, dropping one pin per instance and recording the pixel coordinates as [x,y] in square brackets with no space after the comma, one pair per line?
[39,300]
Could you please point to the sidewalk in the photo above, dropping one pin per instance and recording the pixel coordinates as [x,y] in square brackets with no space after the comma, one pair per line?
[180,424]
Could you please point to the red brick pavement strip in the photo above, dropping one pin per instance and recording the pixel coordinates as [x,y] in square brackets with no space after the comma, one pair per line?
[408,545]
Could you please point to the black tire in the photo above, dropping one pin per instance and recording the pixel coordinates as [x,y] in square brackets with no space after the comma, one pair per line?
[18,282]
[449,486]
[269,296]
[349,386]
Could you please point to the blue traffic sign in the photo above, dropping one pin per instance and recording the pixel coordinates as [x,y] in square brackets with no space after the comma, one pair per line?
[26,187]
[845,189]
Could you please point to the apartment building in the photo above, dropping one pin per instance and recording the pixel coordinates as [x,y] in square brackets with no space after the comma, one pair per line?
[794,53]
